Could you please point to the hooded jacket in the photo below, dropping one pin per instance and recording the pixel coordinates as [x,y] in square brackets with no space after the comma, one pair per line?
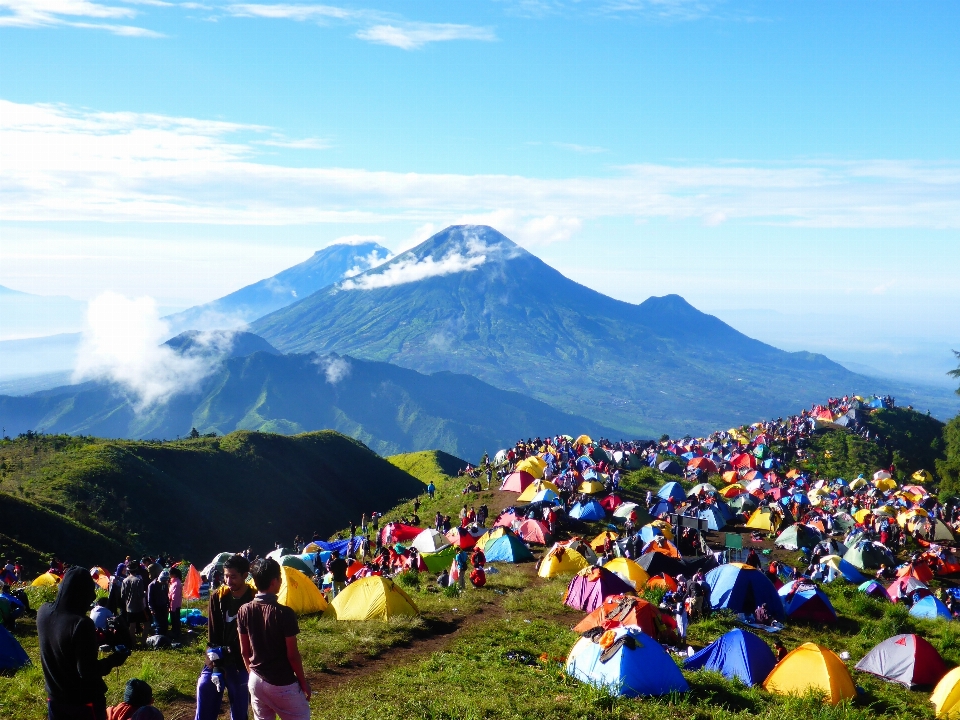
[68,643]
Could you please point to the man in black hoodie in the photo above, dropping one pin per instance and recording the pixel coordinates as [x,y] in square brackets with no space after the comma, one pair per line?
[68,652]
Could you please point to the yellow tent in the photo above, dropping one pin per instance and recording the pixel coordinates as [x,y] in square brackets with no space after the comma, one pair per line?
[535,487]
[590,487]
[664,528]
[886,484]
[857,483]
[311,548]
[629,571]
[730,476]
[583,440]
[764,519]
[561,561]
[490,536]
[47,579]
[922,476]
[860,515]
[946,695]
[299,593]
[598,542]
[372,598]
[529,465]
[812,667]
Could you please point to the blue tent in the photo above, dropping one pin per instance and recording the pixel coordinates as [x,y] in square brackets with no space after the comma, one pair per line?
[930,608]
[725,511]
[649,532]
[738,654]
[545,495]
[661,507]
[674,490]
[670,467]
[847,571]
[741,589]
[12,656]
[638,665]
[803,601]
[590,474]
[507,548]
[588,511]
[713,516]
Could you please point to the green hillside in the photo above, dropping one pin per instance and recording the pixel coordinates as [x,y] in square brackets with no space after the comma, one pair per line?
[92,501]
[515,322]
[429,465]
[388,408]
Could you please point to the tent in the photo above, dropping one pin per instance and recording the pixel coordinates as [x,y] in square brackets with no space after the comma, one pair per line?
[628,570]
[296,562]
[672,490]
[531,491]
[946,695]
[372,598]
[741,589]
[430,541]
[611,502]
[713,516]
[930,608]
[397,532]
[812,667]
[906,659]
[517,481]
[508,548]
[531,467]
[600,540]
[868,555]
[497,532]
[534,531]
[625,610]
[705,488]
[627,662]
[12,654]
[910,586]
[561,560]
[841,567]
[874,590]
[299,593]
[46,580]
[670,467]
[590,487]
[798,536]
[737,654]
[765,519]
[589,511]
[591,586]
[465,537]
[655,563]
[437,561]
[805,601]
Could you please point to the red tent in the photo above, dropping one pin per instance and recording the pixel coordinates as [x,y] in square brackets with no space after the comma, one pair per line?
[464,538]
[534,531]
[906,659]
[506,520]
[517,481]
[705,464]
[744,460]
[611,502]
[397,532]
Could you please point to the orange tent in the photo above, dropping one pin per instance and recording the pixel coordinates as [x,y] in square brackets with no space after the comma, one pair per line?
[191,584]
[730,476]
[662,580]
[619,610]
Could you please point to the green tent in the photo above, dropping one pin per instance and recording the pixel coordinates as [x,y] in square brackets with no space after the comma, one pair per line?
[867,555]
[743,503]
[437,561]
[295,561]
[798,536]
[843,522]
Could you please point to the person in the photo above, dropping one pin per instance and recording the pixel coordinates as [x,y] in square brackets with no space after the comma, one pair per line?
[11,607]
[461,560]
[268,643]
[478,559]
[753,560]
[133,593]
[431,489]
[224,668]
[136,694]
[780,650]
[175,597]
[337,567]
[72,673]
[158,599]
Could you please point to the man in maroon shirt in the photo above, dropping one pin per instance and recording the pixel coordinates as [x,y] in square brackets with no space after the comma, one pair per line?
[268,644]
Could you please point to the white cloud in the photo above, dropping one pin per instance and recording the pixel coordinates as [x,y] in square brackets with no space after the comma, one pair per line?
[300,13]
[69,13]
[302,144]
[334,368]
[412,36]
[122,343]
[64,164]
[366,262]
[411,269]
[582,149]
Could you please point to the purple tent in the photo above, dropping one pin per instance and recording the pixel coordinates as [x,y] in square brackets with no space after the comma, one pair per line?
[591,586]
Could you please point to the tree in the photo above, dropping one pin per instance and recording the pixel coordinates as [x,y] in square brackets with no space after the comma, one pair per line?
[194,433]
[956,373]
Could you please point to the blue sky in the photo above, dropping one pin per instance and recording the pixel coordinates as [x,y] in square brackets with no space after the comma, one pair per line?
[793,167]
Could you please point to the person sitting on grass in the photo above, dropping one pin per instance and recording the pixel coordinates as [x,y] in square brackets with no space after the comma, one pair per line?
[136,695]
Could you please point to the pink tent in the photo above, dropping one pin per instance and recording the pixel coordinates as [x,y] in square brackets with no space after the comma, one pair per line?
[517,481]
[590,587]
[534,531]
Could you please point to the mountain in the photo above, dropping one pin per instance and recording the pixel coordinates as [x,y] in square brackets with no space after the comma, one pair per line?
[468,300]
[324,268]
[220,343]
[26,315]
[389,408]
[92,501]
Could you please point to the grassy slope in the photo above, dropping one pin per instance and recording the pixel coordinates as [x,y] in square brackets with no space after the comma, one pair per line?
[191,497]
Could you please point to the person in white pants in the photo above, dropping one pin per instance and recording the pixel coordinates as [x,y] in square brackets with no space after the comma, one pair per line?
[268,644]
